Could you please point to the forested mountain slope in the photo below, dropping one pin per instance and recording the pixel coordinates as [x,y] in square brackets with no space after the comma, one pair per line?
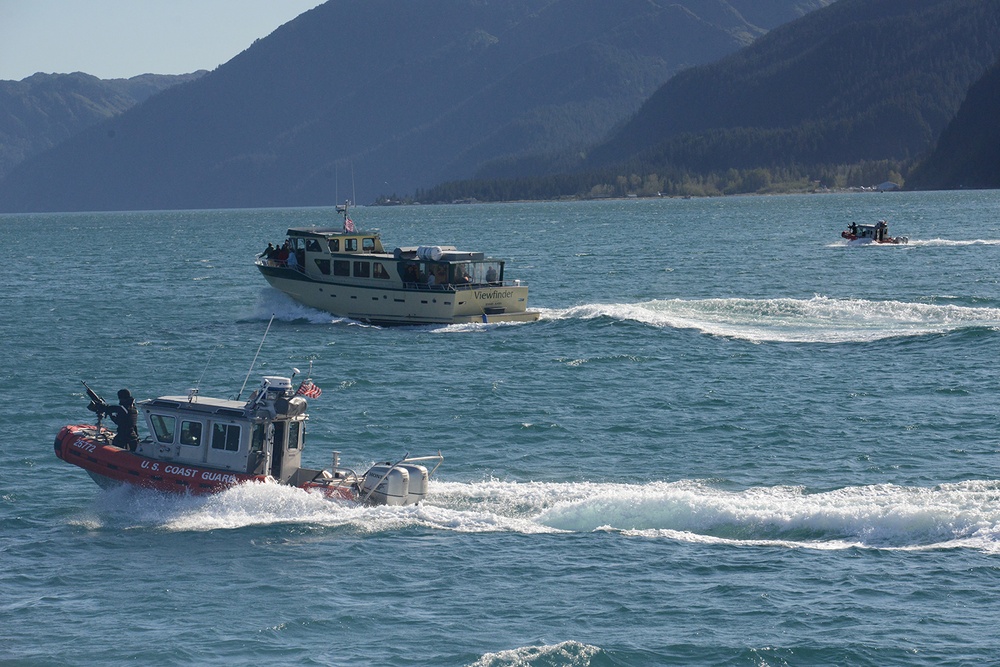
[968,153]
[859,80]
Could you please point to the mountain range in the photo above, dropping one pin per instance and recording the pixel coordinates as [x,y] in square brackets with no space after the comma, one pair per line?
[859,80]
[44,110]
[383,96]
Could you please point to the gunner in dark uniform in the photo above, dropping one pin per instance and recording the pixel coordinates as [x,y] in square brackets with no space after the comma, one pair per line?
[126,418]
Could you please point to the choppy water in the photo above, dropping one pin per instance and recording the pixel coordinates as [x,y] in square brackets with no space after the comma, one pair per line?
[730,440]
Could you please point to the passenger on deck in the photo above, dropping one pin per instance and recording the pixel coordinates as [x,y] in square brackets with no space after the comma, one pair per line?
[281,256]
[437,276]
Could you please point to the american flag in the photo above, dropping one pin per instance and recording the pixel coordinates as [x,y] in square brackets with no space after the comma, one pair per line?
[308,389]
[348,225]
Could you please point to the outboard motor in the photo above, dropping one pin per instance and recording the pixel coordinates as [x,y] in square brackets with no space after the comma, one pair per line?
[417,488]
[386,485]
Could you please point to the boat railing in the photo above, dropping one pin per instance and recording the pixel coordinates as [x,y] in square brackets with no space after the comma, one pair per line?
[458,287]
[280,264]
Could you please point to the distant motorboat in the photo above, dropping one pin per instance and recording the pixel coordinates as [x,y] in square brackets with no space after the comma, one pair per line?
[878,233]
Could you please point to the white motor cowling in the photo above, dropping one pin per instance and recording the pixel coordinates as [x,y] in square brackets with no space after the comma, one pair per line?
[386,485]
[418,482]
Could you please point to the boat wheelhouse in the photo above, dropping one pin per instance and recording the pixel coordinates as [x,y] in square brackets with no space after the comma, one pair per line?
[349,273]
[878,233]
[205,445]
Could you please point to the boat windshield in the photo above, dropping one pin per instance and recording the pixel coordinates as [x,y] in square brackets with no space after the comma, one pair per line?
[456,274]
[477,272]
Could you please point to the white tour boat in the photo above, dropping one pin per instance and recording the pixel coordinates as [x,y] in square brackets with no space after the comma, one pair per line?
[348,273]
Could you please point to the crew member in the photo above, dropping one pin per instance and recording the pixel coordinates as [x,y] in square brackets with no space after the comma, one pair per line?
[126,418]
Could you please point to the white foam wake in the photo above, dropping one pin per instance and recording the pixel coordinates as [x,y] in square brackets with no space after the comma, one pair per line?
[959,515]
[817,320]
[950,242]
[569,653]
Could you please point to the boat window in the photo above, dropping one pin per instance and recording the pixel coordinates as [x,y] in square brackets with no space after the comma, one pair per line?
[362,269]
[409,272]
[294,429]
[278,443]
[461,274]
[350,245]
[368,245]
[324,266]
[257,441]
[437,274]
[378,270]
[312,245]
[494,272]
[163,427]
[191,433]
[334,245]
[226,436]
[341,267]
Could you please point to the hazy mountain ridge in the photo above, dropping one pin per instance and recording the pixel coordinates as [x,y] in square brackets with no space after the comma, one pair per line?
[43,110]
[403,94]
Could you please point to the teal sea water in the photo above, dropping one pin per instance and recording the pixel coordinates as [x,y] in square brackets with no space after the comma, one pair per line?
[729,440]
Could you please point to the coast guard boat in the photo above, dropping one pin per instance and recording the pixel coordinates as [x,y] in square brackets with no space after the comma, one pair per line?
[878,233]
[203,445]
[349,273]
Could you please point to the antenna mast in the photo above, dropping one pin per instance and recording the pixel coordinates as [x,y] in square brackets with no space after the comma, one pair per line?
[255,357]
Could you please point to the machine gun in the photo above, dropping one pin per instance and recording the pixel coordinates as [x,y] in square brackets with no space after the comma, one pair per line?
[97,404]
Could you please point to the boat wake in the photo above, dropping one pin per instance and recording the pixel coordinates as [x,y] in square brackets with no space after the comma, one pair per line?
[917,243]
[816,320]
[949,242]
[285,309]
[565,653]
[964,515]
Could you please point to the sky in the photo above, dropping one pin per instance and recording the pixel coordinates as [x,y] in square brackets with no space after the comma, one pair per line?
[114,39]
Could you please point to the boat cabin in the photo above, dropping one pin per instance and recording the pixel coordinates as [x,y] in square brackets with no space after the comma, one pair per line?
[262,436]
[868,232]
[331,254]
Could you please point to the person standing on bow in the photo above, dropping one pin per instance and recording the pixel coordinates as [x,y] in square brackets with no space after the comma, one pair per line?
[126,418]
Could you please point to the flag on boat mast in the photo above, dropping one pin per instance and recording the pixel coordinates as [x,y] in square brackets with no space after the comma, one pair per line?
[348,223]
[308,389]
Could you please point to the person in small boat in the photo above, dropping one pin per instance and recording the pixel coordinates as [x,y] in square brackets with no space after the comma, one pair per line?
[126,418]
